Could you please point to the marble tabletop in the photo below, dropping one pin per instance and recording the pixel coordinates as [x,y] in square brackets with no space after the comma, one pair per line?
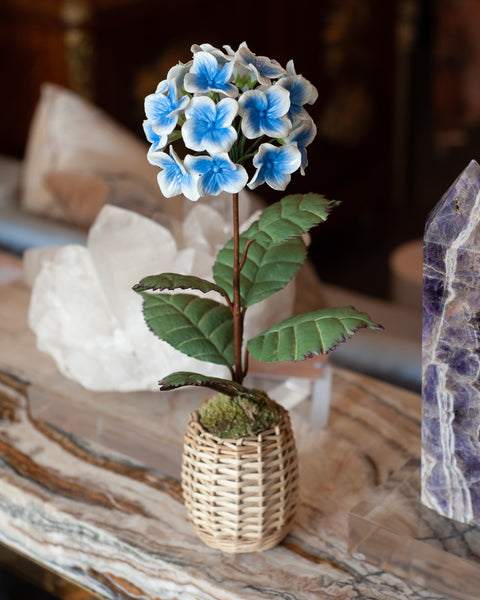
[86,496]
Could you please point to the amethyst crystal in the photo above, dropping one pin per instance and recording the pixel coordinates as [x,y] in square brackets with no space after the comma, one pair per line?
[451,352]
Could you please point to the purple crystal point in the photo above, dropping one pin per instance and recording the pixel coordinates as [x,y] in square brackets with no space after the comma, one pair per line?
[451,352]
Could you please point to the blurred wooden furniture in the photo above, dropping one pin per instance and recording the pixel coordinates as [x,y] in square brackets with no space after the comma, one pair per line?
[114,52]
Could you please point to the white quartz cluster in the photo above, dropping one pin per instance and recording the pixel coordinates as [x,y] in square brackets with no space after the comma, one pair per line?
[86,316]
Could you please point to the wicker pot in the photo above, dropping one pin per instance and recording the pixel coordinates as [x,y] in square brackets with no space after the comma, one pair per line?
[241,494]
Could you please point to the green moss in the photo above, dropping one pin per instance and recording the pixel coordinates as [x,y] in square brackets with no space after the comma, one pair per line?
[228,417]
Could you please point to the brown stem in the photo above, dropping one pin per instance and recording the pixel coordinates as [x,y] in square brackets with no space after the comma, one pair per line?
[237,313]
[244,254]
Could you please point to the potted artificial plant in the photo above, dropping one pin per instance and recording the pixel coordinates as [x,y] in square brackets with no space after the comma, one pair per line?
[219,115]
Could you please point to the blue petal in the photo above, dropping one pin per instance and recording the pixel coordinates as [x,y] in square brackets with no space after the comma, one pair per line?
[172,95]
[170,182]
[202,108]
[174,178]
[276,127]
[278,101]
[205,64]
[274,178]
[193,133]
[170,177]
[263,68]
[199,164]
[252,105]
[224,74]
[160,159]
[218,174]
[205,75]
[157,141]
[301,92]
[209,185]
[304,133]
[251,126]
[264,113]
[161,113]
[195,83]
[226,111]
[274,165]
[233,180]
[202,74]
[253,100]
[190,187]
[288,159]
[155,106]
[219,140]
[208,127]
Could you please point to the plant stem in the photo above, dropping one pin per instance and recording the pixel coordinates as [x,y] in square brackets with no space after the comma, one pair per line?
[237,313]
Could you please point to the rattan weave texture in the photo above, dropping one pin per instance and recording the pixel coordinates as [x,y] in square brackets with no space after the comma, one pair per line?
[241,494]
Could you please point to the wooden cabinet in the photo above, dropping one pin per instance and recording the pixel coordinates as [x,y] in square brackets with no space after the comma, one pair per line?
[110,51]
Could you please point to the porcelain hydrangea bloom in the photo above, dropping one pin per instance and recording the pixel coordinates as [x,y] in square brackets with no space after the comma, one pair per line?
[174,178]
[234,118]
[261,67]
[264,112]
[164,107]
[209,125]
[206,75]
[301,92]
[217,174]
[275,166]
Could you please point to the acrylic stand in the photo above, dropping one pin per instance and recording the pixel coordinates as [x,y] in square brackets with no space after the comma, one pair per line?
[394,530]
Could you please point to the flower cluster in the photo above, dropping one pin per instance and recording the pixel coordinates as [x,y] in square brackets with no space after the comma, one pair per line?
[228,107]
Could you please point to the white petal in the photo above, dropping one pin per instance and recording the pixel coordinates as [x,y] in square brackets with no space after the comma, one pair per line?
[237,181]
[169,186]
[278,100]
[201,107]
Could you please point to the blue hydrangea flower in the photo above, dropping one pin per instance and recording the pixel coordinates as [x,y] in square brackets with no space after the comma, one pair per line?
[177,74]
[158,141]
[263,68]
[221,57]
[264,112]
[270,108]
[274,165]
[217,174]
[209,125]
[301,92]
[174,178]
[302,135]
[206,75]
[163,107]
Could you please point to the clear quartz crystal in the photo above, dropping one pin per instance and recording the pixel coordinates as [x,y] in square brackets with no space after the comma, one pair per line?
[87,317]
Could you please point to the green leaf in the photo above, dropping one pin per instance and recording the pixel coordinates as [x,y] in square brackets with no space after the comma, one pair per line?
[277,251]
[173,281]
[198,327]
[293,215]
[267,269]
[305,335]
[225,386]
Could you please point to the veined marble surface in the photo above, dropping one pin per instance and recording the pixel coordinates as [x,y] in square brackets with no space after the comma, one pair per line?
[118,528]
[450,352]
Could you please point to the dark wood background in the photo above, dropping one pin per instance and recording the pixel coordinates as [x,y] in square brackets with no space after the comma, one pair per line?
[381,77]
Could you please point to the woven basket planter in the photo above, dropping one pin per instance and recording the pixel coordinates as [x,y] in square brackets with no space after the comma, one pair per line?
[241,494]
